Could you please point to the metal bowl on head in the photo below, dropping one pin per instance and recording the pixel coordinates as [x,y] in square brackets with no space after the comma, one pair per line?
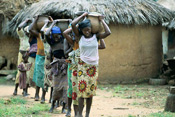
[41,21]
[63,24]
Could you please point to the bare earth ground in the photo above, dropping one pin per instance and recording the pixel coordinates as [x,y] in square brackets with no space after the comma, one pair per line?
[121,101]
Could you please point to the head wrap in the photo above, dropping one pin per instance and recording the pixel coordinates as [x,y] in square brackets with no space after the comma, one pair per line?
[56,30]
[84,24]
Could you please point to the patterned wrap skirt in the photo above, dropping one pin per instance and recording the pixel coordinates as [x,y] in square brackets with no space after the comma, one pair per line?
[87,79]
[60,84]
[74,67]
[48,79]
[69,75]
[31,72]
[38,76]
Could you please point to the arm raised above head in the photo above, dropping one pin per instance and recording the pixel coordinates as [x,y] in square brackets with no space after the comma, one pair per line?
[43,28]
[75,22]
[67,48]
[22,24]
[67,35]
[102,44]
[50,28]
[31,27]
[106,28]
[47,33]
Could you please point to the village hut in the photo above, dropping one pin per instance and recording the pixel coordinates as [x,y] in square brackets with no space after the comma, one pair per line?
[9,46]
[134,49]
[168,32]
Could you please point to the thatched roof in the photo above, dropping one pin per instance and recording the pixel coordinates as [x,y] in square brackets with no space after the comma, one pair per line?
[136,12]
[170,25]
[169,4]
[9,8]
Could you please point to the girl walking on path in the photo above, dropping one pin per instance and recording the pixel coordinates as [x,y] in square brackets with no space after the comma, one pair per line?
[88,62]
[54,37]
[72,89]
[73,68]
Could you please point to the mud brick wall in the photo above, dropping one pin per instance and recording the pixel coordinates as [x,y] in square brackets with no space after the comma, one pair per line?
[133,53]
[9,48]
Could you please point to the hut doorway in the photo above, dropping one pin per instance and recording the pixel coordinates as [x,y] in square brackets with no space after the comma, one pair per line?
[58,16]
[168,42]
[1,23]
[171,44]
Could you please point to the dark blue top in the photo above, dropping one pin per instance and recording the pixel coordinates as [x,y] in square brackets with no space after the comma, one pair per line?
[34,40]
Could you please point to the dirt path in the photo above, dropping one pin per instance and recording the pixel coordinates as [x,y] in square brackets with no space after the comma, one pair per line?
[104,104]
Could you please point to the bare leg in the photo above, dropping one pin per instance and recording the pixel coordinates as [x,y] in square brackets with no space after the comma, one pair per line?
[76,110]
[51,90]
[63,109]
[88,106]
[43,96]
[37,93]
[80,106]
[16,89]
[27,89]
[24,92]
[57,103]
[68,114]
[52,106]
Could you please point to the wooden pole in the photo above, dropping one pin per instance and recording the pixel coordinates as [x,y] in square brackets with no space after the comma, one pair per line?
[170,102]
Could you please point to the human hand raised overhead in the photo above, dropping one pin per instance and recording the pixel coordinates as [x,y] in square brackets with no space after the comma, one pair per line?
[28,19]
[36,17]
[85,14]
[101,17]
[55,21]
[50,18]
[70,20]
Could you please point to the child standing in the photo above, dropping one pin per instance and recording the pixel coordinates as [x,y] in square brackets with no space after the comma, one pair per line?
[23,67]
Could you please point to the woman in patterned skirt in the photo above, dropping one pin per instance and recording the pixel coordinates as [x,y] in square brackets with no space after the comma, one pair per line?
[88,61]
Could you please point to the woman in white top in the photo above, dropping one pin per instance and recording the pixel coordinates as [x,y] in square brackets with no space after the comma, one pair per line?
[88,62]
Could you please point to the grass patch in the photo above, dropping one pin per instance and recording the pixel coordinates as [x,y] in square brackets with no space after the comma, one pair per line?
[162,114]
[131,116]
[18,100]
[139,94]
[13,100]
[135,103]
[120,89]
[19,107]
[37,108]
[3,81]
[2,101]
[154,96]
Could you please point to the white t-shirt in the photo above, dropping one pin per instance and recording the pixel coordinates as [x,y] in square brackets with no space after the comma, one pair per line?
[24,40]
[89,50]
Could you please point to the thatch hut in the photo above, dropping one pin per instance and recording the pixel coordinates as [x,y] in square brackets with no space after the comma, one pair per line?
[9,46]
[134,49]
